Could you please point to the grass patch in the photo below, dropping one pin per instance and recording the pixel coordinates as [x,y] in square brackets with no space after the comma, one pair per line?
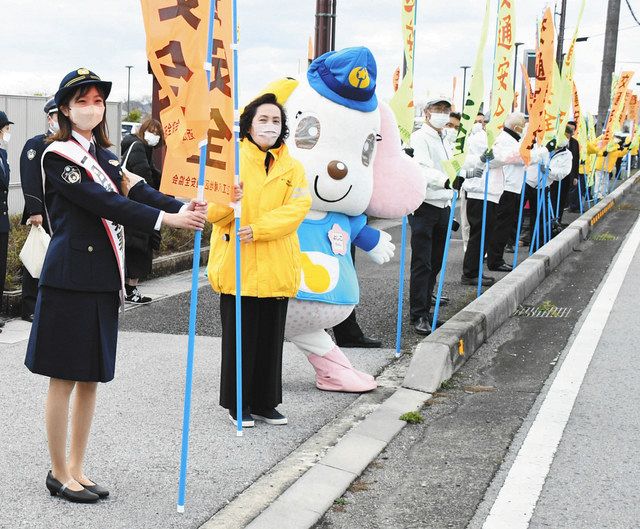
[604,236]
[551,307]
[412,417]
[340,501]
[447,384]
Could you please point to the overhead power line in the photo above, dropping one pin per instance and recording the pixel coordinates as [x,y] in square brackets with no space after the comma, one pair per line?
[632,13]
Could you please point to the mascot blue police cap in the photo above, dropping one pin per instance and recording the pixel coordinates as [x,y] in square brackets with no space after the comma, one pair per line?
[346,77]
[77,78]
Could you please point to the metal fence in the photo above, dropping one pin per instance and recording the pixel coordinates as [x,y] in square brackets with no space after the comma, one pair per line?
[27,113]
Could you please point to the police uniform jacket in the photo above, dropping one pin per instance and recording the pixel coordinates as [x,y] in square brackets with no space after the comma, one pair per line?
[4,192]
[31,179]
[80,256]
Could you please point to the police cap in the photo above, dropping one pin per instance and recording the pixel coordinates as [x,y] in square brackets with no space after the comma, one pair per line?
[77,78]
[50,106]
[4,120]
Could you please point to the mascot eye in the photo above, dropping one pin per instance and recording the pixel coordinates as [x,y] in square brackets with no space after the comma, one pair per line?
[308,132]
[367,149]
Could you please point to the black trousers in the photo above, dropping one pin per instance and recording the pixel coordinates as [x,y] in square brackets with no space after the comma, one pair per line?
[506,218]
[564,195]
[263,321]
[471,262]
[4,246]
[348,330]
[428,236]
[29,293]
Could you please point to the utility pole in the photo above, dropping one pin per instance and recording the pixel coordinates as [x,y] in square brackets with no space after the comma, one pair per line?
[559,50]
[325,36]
[608,61]
[128,88]
[464,85]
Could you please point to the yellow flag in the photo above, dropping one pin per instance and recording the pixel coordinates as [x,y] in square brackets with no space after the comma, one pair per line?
[502,86]
[402,101]
[471,104]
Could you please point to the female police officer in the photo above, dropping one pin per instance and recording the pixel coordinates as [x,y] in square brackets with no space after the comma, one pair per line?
[74,333]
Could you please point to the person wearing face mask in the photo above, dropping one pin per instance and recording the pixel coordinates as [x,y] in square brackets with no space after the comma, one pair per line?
[5,136]
[430,221]
[276,200]
[88,198]
[451,128]
[33,213]
[137,149]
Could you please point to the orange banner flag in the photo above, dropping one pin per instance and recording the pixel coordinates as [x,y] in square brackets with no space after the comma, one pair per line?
[208,114]
[616,108]
[541,93]
[176,49]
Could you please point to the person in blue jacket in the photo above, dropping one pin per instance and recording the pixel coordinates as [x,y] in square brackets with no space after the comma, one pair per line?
[5,134]
[33,212]
[88,199]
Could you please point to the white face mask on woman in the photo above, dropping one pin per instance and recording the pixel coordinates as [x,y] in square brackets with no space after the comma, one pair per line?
[6,136]
[267,132]
[438,120]
[151,138]
[86,117]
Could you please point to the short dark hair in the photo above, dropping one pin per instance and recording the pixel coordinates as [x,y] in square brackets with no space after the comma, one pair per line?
[100,131]
[572,123]
[480,114]
[455,115]
[249,112]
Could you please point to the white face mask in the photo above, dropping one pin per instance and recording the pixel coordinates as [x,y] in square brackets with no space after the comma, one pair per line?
[477,127]
[266,133]
[87,117]
[53,125]
[151,138]
[6,136]
[438,120]
[450,134]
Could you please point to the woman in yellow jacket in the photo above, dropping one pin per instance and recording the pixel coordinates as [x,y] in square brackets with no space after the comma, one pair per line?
[605,163]
[275,200]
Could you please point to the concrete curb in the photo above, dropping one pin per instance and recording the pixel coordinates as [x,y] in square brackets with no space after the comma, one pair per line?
[434,360]
[442,353]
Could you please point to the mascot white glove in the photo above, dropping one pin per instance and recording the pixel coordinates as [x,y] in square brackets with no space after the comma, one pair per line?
[383,251]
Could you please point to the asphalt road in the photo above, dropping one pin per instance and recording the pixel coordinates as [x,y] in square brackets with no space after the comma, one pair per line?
[436,474]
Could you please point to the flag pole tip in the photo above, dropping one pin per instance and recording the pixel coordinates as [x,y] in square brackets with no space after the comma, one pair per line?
[238,434]
[180,509]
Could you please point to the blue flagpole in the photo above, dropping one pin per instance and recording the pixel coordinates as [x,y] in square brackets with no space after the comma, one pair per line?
[535,234]
[403,248]
[580,193]
[445,256]
[193,309]
[238,211]
[557,211]
[551,218]
[403,241]
[484,225]
[517,244]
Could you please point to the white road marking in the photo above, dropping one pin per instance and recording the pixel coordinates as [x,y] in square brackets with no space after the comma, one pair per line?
[519,494]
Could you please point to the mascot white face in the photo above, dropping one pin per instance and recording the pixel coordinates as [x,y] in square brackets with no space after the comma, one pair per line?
[337,146]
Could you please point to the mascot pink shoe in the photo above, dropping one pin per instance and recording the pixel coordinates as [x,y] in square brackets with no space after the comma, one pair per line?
[334,372]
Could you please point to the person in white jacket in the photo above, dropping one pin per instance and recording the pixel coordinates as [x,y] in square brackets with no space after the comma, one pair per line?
[509,205]
[554,166]
[429,222]
[505,152]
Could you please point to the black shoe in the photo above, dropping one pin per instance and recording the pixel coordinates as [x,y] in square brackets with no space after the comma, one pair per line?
[422,327]
[443,299]
[96,489]
[509,248]
[270,416]
[247,418]
[2,322]
[28,317]
[134,296]
[363,342]
[75,496]
[486,280]
[504,267]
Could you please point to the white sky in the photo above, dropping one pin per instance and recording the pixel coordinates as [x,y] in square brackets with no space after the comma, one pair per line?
[43,40]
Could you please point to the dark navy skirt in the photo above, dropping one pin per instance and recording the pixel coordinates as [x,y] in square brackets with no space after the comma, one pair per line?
[74,335]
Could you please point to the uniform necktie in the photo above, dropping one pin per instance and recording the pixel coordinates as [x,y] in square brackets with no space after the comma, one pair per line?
[92,150]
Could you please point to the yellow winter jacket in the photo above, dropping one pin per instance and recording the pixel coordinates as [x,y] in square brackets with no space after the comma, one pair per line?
[274,204]
[611,156]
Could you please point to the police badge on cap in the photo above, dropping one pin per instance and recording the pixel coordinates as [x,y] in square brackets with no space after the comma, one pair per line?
[71,174]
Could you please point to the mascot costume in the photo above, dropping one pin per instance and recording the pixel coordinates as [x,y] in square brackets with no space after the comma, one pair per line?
[350,148]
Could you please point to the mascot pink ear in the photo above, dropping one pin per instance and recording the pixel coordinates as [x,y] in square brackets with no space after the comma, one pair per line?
[398,184]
